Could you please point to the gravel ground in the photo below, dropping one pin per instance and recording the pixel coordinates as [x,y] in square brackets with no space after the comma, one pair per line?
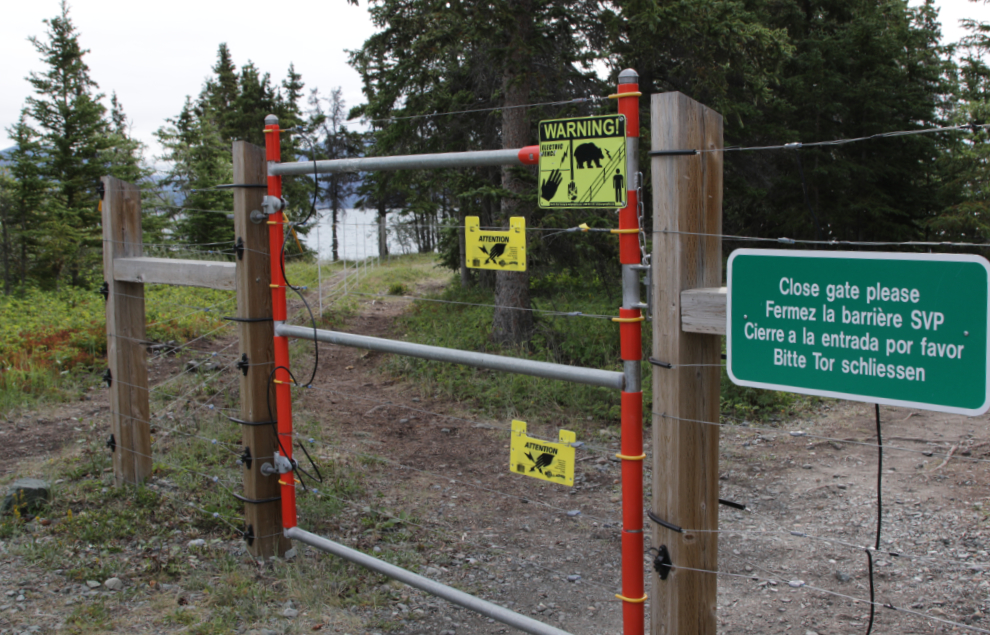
[552,552]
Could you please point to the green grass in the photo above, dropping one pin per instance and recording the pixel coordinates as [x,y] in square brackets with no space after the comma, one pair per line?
[53,344]
[581,341]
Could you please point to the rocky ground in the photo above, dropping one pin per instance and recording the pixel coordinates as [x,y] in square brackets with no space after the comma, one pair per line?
[437,496]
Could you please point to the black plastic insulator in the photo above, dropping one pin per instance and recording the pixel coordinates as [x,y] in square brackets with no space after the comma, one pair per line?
[239,248]
[249,535]
[108,378]
[112,443]
[243,364]
[105,290]
[246,457]
[661,562]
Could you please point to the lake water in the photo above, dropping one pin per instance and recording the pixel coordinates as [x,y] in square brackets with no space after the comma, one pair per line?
[357,235]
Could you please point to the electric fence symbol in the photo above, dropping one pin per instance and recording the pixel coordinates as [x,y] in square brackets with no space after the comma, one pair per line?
[498,250]
[591,151]
[545,460]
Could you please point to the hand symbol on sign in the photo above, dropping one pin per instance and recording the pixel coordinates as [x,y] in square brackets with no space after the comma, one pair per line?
[550,185]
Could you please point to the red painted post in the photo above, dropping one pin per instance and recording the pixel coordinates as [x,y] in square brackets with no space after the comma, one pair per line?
[631,336]
[283,389]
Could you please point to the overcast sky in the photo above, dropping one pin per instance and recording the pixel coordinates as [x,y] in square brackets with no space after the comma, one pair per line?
[154,54]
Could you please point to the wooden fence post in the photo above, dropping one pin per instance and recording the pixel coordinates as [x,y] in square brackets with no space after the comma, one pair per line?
[129,410]
[262,511]
[687,197]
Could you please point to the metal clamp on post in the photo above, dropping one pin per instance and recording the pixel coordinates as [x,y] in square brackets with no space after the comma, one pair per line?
[282,465]
[269,205]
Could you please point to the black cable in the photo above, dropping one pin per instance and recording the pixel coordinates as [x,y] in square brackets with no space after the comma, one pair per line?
[869,554]
[281,262]
[879,477]
[869,558]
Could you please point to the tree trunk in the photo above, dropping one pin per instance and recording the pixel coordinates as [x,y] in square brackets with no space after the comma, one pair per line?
[465,274]
[333,241]
[513,326]
[6,251]
[382,230]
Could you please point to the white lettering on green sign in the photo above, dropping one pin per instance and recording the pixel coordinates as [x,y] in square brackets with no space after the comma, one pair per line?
[899,329]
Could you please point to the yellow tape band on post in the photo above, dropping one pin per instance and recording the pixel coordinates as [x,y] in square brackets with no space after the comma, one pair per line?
[625,231]
[628,320]
[281,482]
[618,95]
[630,458]
[631,600]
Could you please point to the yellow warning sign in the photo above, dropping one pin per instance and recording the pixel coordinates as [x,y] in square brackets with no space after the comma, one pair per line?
[583,162]
[541,459]
[498,250]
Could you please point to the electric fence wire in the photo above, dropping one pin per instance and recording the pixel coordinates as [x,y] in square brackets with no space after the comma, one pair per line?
[802,433]
[463,482]
[462,540]
[156,302]
[783,532]
[172,403]
[189,369]
[490,306]
[800,584]
[834,242]
[474,423]
[578,100]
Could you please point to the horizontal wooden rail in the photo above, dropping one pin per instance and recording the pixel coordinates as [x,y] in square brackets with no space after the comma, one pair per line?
[703,311]
[185,273]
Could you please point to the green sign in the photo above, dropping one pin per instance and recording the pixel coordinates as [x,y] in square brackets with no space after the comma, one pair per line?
[583,162]
[897,329]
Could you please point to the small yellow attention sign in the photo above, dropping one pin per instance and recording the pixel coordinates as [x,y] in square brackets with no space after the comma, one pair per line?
[498,250]
[583,163]
[541,459]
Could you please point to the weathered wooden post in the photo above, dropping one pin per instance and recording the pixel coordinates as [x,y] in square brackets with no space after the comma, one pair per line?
[128,371]
[687,200]
[262,511]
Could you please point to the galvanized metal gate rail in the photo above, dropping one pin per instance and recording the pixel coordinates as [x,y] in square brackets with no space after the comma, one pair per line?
[628,382]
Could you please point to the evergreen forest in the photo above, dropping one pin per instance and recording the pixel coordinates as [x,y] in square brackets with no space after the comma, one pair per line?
[456,75]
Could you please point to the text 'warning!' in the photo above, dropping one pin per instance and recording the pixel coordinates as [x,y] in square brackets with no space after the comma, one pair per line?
[583,162]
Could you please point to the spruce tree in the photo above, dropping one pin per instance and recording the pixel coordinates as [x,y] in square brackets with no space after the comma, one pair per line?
[437,56]
[334,141]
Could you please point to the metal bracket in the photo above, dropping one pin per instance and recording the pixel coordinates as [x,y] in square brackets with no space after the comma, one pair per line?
[112,443]
[646,307]
[272,204]
[108,377]
[282,466]
[243,364]
[661,562]
[239,248]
